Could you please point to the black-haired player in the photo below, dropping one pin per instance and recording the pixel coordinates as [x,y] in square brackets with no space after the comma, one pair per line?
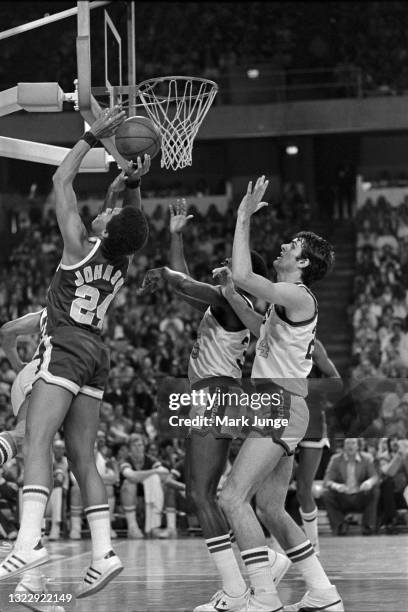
[74,362]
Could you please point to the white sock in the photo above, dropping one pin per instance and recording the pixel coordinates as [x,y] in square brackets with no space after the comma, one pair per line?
[130,514]
[56,507]
[259,569]
[99,524]
[171,518]
[76,518]
[309,520]
[227,565]
[34,503]
[312,571]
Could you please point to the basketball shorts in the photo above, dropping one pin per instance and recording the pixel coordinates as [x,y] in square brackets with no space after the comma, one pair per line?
[74,359]
[285,418]
[217,409]
[22,385]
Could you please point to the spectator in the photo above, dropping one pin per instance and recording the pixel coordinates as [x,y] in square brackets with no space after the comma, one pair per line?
[351,485]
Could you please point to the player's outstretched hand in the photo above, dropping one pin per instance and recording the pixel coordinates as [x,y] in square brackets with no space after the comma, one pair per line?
[178,216]
[135,172]
[152,281]
[252,200]
[119,183]
[109,121]
[223,276]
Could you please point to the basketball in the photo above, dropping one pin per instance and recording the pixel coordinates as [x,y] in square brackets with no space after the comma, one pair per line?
[138,136]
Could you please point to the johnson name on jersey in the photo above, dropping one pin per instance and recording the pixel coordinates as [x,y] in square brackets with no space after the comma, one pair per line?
[79,295]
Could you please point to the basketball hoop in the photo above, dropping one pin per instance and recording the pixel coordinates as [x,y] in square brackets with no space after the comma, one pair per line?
[177,105]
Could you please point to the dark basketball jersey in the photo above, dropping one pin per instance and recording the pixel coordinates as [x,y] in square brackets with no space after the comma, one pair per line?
[79,295]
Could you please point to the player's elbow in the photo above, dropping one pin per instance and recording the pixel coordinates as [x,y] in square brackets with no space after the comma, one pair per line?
[59,178]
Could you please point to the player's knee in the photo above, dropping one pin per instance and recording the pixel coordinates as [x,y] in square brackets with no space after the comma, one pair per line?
[230,498]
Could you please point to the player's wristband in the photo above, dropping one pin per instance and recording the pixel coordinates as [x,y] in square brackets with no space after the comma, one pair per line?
[89,138]
[132,183]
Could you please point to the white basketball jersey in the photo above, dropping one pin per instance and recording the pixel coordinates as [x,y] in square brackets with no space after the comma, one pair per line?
[284,349]
[217,352]
[23,382]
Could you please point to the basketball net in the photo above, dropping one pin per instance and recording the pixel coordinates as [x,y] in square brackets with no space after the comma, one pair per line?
[177,105]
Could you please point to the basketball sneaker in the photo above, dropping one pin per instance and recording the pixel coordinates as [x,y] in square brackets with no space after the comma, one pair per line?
[99,574]
[75,534]
[318,599]
[33,585]
[220,601]
[280,565]
[18,561]
[261,601]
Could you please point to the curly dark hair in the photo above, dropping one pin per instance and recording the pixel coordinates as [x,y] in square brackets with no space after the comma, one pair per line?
[127,233]
[319,252]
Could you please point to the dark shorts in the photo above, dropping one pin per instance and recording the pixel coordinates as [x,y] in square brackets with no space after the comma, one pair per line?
[316,433]
[74,359]
[284,418]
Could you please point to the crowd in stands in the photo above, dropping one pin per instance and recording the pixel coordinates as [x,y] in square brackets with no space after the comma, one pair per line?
[221,37]
[151,337]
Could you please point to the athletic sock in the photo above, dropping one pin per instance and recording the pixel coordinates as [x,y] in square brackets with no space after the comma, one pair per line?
[34,502]
[99,524]
[259,569]
[171,518]
[309,520]
[227,565]
[130,514]
[76,518]
[306,560]
[8,447]
[56,507]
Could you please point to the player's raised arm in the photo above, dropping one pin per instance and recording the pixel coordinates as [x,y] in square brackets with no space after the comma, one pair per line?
[287,294]
[178,221]
[72,229]
[251,319]
[9,332]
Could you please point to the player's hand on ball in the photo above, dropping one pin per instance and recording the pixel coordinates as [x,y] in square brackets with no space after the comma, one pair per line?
[135,172]
[252,200]
[152,281]
[109,121]
[178,216]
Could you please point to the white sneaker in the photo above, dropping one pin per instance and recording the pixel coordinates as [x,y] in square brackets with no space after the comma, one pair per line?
[31,586]
[99,574]
[134,533]
[54,534]
[221,601]
[280,565]
[322,599]
[263,602]
[75,534]
[18,561]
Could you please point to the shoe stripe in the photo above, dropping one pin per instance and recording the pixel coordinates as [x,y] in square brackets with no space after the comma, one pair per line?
[88,581]
[314,609]
[5,567]
[13,564]
[18,559]
[94,570]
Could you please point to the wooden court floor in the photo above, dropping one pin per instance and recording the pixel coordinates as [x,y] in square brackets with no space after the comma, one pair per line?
[371,574]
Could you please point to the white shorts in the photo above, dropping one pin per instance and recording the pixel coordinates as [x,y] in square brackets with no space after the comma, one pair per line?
[22,385]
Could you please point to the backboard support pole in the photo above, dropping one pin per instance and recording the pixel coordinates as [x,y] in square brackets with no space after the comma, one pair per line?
[131,52]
